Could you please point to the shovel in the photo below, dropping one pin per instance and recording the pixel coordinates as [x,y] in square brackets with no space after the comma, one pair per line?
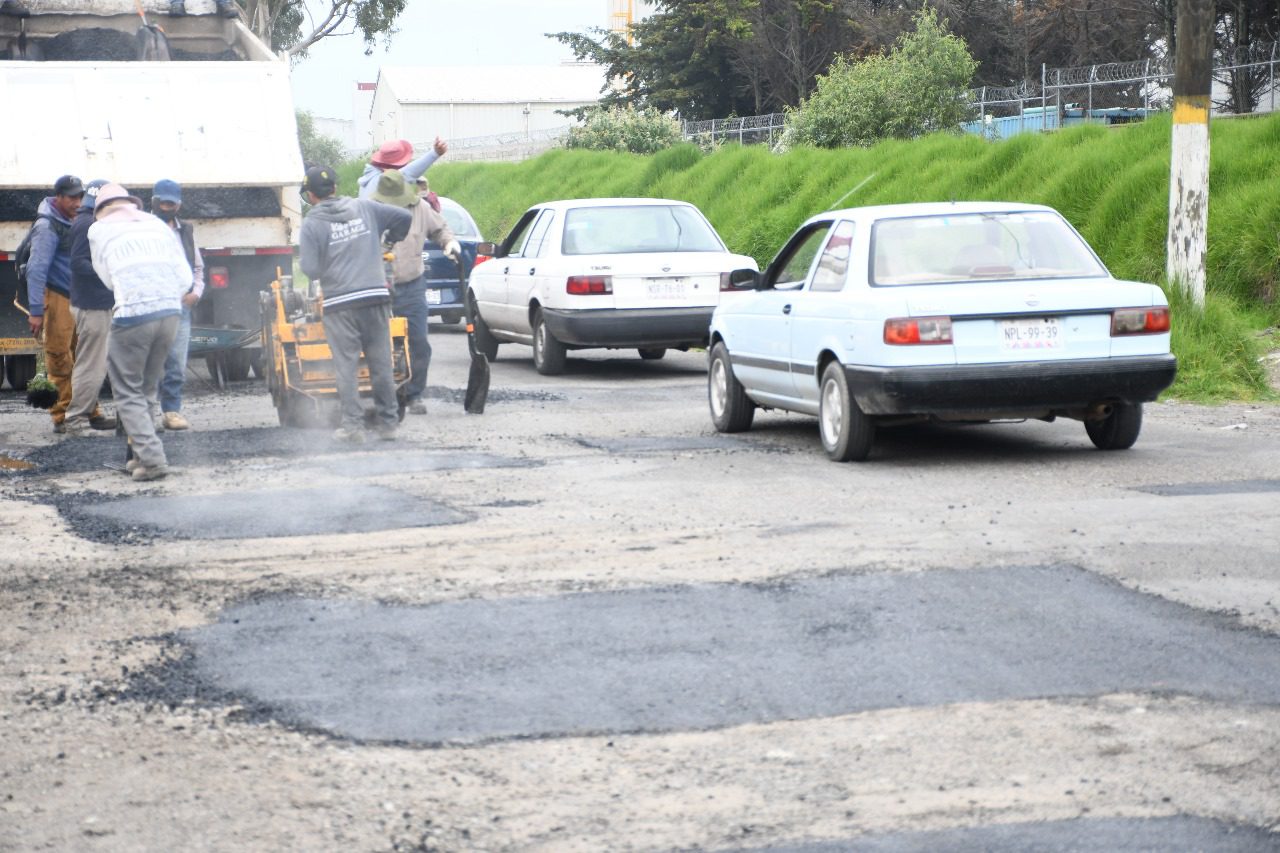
[478,378]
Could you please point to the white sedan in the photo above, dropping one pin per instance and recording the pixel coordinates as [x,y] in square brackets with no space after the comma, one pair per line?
[604,272]
[973,311]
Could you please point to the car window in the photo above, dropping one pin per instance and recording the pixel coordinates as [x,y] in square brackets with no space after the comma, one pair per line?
[979,247]
[536,246]
[638,229]
[833,263]
[458,221]
[516,239]
[791,267]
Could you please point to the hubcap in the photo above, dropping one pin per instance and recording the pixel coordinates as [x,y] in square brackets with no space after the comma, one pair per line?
[540,341]
[832,414]
[719,387]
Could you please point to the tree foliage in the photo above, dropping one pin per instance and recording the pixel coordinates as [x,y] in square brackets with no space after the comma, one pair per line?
[921,85]
[644,131]
[317,148]
[293,26]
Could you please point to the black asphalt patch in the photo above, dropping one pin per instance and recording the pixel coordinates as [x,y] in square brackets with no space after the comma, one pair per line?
[658,444]
[254,514]
[703,657]
[1081,835]
[416,462]
[1230,487]
[495,395]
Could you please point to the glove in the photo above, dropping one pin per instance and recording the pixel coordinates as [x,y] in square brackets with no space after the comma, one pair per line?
[453,250]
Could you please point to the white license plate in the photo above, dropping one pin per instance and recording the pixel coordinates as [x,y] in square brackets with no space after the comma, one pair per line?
[1031,333]
[665,288]
[433,297]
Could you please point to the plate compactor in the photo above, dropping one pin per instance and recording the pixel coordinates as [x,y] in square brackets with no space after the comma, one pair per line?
[299,365]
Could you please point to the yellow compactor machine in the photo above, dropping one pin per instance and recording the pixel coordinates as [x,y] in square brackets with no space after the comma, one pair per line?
[299,365]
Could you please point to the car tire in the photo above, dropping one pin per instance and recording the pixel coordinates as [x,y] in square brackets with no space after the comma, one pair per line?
[19,370]
[846,430]
[731,409]
[485,341]
[451,318]
[548,353]
[1118,430]
[653,354]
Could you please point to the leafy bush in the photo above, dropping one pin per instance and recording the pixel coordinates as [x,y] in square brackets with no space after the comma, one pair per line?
[919,87]
[625,129]
[317,149]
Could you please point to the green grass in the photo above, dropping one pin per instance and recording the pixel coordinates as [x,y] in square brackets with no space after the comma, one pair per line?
[1112,184]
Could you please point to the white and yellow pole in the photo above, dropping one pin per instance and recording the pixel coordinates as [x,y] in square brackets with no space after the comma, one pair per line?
[1189,159]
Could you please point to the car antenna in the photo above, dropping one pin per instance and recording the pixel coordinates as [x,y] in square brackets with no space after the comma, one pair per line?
[862,183]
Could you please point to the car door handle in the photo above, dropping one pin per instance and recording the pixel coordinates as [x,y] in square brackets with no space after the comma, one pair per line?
[506,270]
[786,309]
[532,270]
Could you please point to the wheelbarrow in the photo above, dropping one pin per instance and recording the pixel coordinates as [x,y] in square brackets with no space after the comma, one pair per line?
[224,352]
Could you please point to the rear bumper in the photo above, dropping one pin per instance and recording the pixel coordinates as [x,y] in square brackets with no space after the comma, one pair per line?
[450,297]
[1006,388]
[631,327]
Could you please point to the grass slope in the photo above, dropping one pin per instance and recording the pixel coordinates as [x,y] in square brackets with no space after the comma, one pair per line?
[1112,184]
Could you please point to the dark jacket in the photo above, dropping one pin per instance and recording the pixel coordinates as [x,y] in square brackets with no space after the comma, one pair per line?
[341,245]
[87,290]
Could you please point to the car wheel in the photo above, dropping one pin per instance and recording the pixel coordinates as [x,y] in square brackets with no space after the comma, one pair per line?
[548,353]
[652,354]
[846,430]
[485,341]
[731,409]
[1118,430]
[451,318]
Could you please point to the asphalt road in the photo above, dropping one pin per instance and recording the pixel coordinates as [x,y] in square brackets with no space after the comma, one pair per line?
[584,620]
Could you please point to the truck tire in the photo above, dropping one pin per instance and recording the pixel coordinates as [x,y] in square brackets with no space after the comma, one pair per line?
[237,363]
[19,370]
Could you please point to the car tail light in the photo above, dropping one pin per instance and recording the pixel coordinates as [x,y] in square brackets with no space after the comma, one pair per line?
[584,285]
[1139,321]
[219,278]
[480,259]
[905,331]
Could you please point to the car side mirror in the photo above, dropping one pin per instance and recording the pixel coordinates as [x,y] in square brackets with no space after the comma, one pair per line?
[492,250]
[745,279]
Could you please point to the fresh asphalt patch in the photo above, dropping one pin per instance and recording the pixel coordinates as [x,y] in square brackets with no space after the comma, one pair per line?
[417,462]
[252,514]
[1229,487]
[1079,835]
[703,657]
[658,444]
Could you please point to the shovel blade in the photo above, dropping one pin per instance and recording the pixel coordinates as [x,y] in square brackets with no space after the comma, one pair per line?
[477,385]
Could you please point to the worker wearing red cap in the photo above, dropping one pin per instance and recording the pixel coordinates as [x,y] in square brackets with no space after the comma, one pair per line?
[398,154]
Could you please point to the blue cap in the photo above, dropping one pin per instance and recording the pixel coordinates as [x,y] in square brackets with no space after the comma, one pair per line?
[91,193]
[167,190]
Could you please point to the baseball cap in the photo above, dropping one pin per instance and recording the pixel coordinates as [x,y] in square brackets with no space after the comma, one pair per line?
[167,190]
[91,193]
[68,185]
[319,180]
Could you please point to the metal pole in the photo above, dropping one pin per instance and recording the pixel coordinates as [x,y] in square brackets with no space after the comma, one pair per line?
[1271,72]
[1146,89]
[1044,101]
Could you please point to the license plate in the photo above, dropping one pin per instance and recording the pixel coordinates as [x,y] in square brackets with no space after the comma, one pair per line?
[666,288]
[1031,333]
[433,297]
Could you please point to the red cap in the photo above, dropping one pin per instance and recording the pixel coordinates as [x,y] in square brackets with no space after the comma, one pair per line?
[393,154]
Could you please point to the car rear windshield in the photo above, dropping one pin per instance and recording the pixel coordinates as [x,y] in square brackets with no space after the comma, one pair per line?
[637,229]
[459,223]
[979,247]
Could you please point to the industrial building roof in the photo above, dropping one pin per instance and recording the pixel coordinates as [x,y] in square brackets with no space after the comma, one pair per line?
[428,84]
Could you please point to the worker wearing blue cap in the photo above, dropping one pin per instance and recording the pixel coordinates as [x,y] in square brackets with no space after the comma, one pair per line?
[166,201]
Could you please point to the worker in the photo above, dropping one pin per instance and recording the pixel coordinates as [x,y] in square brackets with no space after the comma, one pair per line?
[398,154]
[409,293]
[166,201]
[137,257]
[341,245]
[91,304]
[49,288]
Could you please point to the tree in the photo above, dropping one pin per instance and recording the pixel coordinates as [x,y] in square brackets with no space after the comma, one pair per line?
[290,26]
[918,87]
[317,149]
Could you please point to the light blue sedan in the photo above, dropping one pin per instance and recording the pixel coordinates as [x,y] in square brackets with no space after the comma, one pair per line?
[973,311]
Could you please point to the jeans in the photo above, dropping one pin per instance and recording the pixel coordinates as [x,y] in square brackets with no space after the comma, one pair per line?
[366,329]
[175,366]
[135,363]
[410,301]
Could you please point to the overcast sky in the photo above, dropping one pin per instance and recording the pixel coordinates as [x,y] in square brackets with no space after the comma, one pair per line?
[444,32]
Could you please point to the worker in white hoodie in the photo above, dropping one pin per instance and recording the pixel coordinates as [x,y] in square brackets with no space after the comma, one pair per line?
[136,256]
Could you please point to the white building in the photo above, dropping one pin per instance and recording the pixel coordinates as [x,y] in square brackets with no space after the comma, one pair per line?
[419,103]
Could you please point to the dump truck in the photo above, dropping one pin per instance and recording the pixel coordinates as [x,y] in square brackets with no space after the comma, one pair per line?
[217,117]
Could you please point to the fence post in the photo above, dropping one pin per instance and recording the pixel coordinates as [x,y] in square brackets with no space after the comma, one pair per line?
[1044,98]
[1271,73]
[1146,89]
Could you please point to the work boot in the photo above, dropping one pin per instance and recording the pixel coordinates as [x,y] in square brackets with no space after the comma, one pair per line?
[60,427]
[133,464]
[386,433]
[417,406]
[177,8]
[156,472]
[350,436]
[226,8]
[175,421]
[102,422]
[74,427]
